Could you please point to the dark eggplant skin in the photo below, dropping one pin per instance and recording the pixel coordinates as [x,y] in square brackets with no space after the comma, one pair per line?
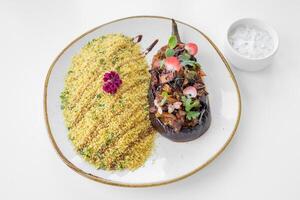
[185,134]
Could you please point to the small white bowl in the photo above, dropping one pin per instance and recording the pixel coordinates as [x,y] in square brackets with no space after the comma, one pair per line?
[245,63]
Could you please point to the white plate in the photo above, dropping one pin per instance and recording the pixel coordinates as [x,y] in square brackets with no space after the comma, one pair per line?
[170,161]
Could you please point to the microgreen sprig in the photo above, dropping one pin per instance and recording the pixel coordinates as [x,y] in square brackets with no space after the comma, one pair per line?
[189,104]
[172,42]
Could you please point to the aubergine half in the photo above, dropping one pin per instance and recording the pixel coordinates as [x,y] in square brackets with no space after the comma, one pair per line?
[179,105]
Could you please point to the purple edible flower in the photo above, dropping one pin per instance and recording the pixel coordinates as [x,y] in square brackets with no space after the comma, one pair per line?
[112,82]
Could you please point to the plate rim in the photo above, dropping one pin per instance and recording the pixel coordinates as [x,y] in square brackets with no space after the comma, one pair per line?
[114,183]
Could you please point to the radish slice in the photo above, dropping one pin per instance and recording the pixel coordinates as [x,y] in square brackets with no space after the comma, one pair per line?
[172,64]
[190,91]
[192,48]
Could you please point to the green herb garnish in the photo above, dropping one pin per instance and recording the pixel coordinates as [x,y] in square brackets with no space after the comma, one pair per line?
[161,64]
[164,94]
[163,101]
[118,69]
[165,98]
[120,166]
[121,102]
[101,105]
[189,104]
[189,62]
[64,99]
[101,164]
[192,115]
[169,52]
[113,108]
[172,42]
[184,57]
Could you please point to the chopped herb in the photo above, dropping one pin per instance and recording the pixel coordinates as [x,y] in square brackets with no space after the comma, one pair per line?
[101,105]
[109,138]
[86,152]
[70,72]
[146,107]
[184,56]
[192,115]
[169,52]
[165,94]
[98,154]
[101,165]
[165,98]
[163,101]
[70,137]
[118,69]
[189,62]
[120,166]
[189,104]
[172,42]
[99,96]
[64,99]
[113,108]
[101,60]
[63,94]
[121,103]
[161,64]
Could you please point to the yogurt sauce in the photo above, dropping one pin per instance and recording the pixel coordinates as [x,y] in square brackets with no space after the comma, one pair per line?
[251,41]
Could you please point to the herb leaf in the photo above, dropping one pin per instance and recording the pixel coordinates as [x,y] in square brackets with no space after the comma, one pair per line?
[118,69]
[189,62]
[169,52]
[192,115]
[164,100]
[184,56]
[161,64]
[172,42]
[64,99]
[164,94]
[189,104]
[101,105]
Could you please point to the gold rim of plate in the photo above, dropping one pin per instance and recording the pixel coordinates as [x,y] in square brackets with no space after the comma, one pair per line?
[105,181]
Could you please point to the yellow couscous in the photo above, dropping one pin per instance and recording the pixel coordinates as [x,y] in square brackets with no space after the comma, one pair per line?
[110,131]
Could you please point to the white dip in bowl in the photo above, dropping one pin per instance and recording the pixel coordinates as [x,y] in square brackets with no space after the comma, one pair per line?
[251,44]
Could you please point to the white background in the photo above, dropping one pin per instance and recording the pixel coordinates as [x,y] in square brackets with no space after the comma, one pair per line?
[262,161]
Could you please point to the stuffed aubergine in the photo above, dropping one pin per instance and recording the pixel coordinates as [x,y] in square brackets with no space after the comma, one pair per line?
[179,105]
